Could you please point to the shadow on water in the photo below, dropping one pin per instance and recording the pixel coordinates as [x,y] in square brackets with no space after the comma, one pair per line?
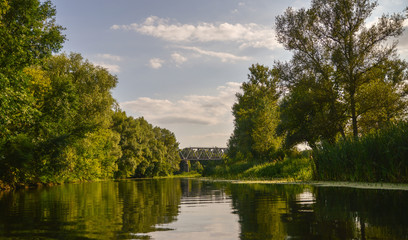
[140,209]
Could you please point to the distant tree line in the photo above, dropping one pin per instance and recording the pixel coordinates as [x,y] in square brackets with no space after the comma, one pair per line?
[58,119]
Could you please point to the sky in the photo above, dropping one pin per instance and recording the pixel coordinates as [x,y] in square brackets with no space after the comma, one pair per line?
[180,63]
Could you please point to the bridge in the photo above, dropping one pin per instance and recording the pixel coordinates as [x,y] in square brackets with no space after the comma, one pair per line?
[202,153]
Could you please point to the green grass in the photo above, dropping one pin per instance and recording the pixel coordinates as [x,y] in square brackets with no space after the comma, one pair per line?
[290,169]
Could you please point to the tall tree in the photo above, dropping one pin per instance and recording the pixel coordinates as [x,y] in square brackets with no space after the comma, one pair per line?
[147,151]
[256,117]
[28,33]
[339,63]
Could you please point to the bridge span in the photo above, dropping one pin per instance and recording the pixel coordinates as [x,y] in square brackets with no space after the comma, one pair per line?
[202,153]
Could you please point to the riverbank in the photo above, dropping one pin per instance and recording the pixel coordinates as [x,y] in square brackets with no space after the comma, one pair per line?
[359,185]
[332,184]
[288,169]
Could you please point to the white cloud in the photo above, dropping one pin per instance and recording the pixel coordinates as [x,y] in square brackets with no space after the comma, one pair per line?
[107,61]
[112,68]
[156,63]
[246,35]
[178,58]
[109,57]
[193,109]
[225,57]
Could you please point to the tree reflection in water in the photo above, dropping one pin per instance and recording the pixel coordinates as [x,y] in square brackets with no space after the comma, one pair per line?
[305,212]
[190,208]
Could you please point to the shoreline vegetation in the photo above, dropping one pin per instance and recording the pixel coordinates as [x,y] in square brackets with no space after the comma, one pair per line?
[60,123]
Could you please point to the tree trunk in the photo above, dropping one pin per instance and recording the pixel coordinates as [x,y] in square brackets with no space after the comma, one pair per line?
[353,115]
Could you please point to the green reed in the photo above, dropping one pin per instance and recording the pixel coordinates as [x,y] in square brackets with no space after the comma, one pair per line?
[381,156]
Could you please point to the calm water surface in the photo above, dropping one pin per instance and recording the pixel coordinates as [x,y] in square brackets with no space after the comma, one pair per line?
[195,209]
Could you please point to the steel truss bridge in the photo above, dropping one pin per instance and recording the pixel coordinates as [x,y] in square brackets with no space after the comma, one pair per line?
[202,153]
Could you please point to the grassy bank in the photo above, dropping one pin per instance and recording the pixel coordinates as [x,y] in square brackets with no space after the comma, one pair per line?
[378,157]
[290,169]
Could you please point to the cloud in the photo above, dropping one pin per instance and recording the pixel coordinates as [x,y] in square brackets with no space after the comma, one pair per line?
[110,57]
[112,68]
[178,58]
[192,109]
[107,61]
[405,23]
[225,57]
[246,35]
[403,44]
[156,63]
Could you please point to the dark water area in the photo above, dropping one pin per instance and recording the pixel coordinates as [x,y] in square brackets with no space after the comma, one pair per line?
[196,209]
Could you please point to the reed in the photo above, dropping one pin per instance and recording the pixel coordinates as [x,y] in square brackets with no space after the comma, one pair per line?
[381,156]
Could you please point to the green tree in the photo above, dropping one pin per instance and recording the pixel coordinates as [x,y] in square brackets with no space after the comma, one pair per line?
[69,137]
[28,33]
[256,117]
[339,63]
[77,106]
[147,151]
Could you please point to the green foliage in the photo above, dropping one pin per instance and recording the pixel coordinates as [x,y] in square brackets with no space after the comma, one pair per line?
[147,151]
[28,33]
[17,111]
[197,167]
[56,118]
[379,156]
[343,77]
[256,117]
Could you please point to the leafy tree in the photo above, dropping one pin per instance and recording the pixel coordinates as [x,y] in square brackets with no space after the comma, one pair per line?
[339,64]
[147,151]
[28,33]
[70,137]
[77,106]
[256,117]
[313,110]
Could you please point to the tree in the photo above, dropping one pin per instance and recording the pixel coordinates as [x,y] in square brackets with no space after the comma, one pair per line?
[28,33]
[256,117]
[147,151]
[76,111]
[339,63]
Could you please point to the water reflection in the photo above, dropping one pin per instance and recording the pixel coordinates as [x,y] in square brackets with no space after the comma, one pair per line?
[193,209]
[205,213]
[306,212]
[100,210]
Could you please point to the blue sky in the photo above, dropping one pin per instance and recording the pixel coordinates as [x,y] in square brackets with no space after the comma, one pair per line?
[180,62]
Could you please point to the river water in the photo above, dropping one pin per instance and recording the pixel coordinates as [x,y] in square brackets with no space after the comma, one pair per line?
[196,209]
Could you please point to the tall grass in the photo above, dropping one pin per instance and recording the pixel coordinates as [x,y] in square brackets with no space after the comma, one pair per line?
[378,157]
